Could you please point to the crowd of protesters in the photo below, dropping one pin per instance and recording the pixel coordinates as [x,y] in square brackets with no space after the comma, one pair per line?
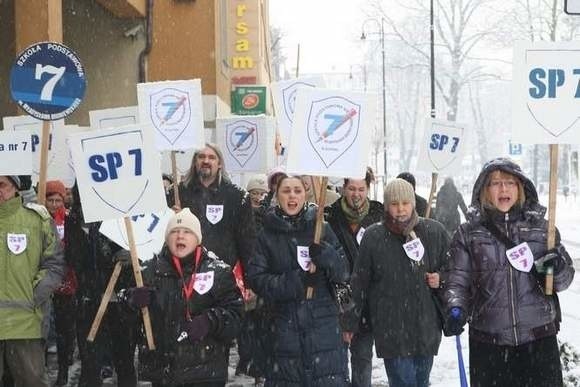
[243,265]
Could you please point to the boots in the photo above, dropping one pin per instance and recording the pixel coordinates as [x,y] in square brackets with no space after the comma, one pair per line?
[62,377]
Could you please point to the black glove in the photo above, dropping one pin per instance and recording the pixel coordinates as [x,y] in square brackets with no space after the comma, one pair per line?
[197,328]
[122,256]
[554,258]
[311,279]
[138,298]
[320,257]
[455,321]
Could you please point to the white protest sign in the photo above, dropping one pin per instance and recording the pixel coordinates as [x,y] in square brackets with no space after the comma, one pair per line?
[244,142]
[331,133]
[175,111]
[67,170]
[57,158]
[284,97]
[442,147]
[148,231]
[112,118]
[118,172]
[15,152]
[546,93]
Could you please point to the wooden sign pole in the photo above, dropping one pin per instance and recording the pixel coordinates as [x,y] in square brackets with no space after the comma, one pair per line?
[175,180]
[44,141]
[318,228]
[431,194]
[104,302]
[552,214]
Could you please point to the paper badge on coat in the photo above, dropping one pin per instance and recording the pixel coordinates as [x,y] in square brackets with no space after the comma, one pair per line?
[521,257]
[303,257]
[214,212]
[414,249]
[360,234]
[16,243]
[203,282]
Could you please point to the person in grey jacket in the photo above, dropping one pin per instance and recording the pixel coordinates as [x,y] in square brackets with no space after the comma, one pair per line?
[397,276]
[496,282]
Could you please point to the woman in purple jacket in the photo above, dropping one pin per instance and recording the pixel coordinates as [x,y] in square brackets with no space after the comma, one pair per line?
[496,277]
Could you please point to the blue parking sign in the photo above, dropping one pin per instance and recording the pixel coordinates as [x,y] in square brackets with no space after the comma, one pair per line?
[48,81]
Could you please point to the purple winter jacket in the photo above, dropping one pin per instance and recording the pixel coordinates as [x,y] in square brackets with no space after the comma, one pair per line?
[505,306]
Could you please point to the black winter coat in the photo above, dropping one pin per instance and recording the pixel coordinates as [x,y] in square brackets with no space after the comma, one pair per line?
[305,338]
[231,236]
[506,306]
[404,317]
[350,240]
[176,363]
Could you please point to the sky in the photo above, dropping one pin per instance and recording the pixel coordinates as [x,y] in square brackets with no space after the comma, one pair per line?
[328,32]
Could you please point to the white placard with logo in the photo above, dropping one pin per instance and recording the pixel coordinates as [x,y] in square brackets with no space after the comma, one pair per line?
[113,118]
[15,153]
[148,231]
[284,97]
[546,93]
[331,133]
[175,111]
[442,147]
[118,171]
[58,157]
[244,141]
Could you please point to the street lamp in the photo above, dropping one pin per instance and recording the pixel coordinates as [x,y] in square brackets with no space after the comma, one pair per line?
[363,37]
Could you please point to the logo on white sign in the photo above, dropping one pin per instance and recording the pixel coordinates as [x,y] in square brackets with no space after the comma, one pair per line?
[242,140]
[444,144]
[521,257]
[289,98]
[333,125]
[16,243]
[170,112]
[214,212]
[414,249]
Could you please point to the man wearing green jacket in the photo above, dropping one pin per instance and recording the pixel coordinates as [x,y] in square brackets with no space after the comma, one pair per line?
[31,267]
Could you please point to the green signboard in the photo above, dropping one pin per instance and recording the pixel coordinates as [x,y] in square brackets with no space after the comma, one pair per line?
[249,100]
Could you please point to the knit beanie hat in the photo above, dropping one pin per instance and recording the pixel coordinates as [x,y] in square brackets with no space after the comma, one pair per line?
[399,190]
[55,187]
[257,182]
[184,219]
[15,180]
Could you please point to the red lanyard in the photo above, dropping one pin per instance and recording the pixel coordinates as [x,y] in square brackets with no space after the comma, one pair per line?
[188,288]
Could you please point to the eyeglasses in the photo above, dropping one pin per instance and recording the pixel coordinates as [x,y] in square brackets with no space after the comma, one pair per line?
[504,183]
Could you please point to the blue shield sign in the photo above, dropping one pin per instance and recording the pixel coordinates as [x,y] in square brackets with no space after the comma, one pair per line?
[47,81]
[333,126]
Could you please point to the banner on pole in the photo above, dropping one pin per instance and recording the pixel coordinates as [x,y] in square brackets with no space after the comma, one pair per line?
[331,133]
[118,172]
[174,109]
[442,147]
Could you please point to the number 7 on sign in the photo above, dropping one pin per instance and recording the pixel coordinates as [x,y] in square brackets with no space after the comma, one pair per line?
[48,88]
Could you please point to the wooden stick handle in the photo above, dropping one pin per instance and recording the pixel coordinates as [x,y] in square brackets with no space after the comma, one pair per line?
[44,142]
[431,194]
[318,228]
[104,302]
[175,180]
[551,243]
[139,282]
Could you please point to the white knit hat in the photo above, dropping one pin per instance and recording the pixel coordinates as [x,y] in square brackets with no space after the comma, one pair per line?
[399,190]
[257,182]
[184,219]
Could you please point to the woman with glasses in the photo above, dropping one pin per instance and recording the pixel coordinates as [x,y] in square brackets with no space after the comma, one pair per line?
[497,265]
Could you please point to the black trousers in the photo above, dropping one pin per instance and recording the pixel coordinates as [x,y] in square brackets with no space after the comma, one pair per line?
[64,322]
[534,364]
[117,334]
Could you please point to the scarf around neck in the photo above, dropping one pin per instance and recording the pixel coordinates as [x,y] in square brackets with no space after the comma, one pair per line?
[352,215]
[401,228]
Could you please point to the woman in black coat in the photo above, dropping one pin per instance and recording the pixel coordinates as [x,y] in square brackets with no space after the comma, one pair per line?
[304,334]
[195,310]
